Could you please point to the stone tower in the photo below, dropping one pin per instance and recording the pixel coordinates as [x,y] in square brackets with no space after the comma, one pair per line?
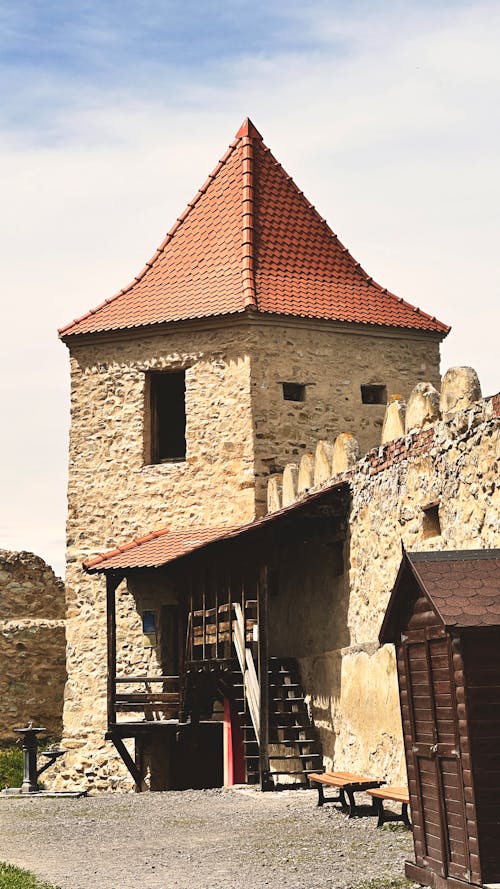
[249,334]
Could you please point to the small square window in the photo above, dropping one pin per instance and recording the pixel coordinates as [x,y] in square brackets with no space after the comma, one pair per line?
[165,416]
[374,394]
[294,391]
[431,526]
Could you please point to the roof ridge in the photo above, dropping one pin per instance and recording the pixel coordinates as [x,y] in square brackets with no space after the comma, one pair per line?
[248,228]
[168,237]
[132,544]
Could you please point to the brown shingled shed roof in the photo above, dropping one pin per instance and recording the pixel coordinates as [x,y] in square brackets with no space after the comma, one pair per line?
[462,585]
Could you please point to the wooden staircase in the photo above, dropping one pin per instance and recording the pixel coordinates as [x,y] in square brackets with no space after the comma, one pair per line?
[214,636]
[294,750]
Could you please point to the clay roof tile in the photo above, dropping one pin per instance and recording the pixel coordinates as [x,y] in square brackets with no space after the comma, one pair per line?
[294,265]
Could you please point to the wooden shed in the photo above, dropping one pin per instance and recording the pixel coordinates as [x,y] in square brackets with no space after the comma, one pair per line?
[444,618]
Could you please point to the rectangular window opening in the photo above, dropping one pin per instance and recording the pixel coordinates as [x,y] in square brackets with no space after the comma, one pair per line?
[166,417]
[294,391]
[374,394]
[431,525]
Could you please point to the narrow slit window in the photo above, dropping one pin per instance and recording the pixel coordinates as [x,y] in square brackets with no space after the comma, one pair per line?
[167,416]
[431,524]
[294,391]
[374,394]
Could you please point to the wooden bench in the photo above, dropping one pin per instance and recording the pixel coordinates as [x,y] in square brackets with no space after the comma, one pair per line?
[347,784]
[397,795]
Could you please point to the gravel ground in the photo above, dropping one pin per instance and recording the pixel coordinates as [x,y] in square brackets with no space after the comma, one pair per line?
[200,839]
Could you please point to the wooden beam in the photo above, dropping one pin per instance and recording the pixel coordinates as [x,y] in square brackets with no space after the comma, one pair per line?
[140,784]
[263,663]
[113,580]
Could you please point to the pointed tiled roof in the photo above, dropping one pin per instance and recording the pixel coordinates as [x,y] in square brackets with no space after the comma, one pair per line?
[249,239]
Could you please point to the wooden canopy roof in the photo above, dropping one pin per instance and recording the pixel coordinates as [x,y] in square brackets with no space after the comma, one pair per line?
[163,546]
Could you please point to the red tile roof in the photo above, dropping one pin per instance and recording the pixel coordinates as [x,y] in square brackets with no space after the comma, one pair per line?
[164,546]
[250,239]
[155,549]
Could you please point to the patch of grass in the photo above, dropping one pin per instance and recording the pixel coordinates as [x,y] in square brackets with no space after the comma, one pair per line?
[14,878]
[11,764]
[11,768]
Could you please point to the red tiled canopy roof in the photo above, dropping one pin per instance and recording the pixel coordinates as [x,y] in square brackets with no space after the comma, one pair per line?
[250,239]
[164,546]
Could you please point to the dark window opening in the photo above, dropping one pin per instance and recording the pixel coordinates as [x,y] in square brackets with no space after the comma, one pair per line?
[374,394]
[431,525]
[294,391]
[167,401]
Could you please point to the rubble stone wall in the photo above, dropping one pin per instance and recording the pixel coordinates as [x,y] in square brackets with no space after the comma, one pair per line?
[32,644]
[114,496]
[333,365]
[236,419]
[452,465]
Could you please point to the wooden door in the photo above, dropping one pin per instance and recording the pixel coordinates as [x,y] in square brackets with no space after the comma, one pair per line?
[435,753]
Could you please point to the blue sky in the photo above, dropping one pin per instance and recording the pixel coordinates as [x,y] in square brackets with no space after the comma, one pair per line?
[112,114]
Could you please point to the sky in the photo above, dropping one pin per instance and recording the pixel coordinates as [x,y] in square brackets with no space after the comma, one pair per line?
[386,114]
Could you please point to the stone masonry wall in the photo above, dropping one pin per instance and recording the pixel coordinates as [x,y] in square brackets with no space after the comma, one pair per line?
[238,430]
[113,496]
[32,644]
[452,464]
[333,365]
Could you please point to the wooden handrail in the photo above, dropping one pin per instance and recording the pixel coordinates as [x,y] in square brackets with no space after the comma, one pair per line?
[147,679]
[247,668]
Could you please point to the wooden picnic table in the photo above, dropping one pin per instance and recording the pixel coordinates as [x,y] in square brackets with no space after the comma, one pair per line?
[348,784]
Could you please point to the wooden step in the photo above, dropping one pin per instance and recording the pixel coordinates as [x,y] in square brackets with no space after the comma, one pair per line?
[288,700]
[297,756]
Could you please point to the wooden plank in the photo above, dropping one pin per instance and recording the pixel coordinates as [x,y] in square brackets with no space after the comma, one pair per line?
[147,697]
[134,679]
[263,666]
[112,582]
[130,764]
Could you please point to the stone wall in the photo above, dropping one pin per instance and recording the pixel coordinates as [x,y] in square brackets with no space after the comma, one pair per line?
[114,496]
[333,364]
[238,429]
[450,467]
[32,644]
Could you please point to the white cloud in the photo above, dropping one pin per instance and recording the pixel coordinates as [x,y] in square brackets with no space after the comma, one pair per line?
[389,126]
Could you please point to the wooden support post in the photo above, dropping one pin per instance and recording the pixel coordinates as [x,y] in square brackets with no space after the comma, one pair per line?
[263,649]
[112,581]
[230,615]
[191,625]
[216,616]
[204,620]
[140,784]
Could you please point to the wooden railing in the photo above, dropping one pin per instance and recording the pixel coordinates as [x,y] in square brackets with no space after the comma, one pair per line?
[209,632]
[154,704]
[247,667]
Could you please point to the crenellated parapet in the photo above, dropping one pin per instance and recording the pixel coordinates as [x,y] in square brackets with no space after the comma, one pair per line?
[408,431]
